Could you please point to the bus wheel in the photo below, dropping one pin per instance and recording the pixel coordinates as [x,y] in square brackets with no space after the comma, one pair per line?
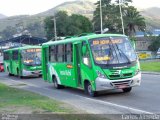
[18,73]
[88,89]
[56,85]
[9,74]
[125,90]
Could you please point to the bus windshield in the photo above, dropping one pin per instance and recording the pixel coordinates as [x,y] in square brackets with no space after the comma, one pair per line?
[31,57]
[112,50]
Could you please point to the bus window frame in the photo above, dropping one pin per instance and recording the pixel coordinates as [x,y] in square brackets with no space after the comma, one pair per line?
[15,56]
[63,53]
[87,52]
[8,55]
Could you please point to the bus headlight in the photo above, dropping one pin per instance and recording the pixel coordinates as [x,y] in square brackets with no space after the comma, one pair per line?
[137,71]
[100,74]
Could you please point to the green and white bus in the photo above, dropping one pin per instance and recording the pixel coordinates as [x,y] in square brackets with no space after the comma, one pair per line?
[23,61]
[94,63]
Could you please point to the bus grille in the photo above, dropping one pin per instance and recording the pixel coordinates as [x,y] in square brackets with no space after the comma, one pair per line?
[121,84]
[115,75]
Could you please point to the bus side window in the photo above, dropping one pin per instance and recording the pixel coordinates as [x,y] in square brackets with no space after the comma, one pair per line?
[68,53]
[85,54]
[6,56]
[53,53]
[15,55]
[60,53]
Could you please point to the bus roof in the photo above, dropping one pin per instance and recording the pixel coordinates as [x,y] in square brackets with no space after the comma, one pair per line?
[23,48]
[87,37]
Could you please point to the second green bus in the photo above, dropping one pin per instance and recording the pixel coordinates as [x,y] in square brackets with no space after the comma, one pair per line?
[23,61]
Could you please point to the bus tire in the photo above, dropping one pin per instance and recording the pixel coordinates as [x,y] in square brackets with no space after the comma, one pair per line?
[88,89]
[56,85]
[125,90]
[9,74]
[18,73]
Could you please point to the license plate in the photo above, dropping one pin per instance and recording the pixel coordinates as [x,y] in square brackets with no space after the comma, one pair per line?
[36,72]
[121,86]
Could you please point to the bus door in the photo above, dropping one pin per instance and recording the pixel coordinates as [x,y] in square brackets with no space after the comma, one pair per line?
[11,63]
[87,72]
[15,63]
[77,61]
[45,65]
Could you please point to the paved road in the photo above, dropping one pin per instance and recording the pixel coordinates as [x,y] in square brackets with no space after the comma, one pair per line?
[143,99]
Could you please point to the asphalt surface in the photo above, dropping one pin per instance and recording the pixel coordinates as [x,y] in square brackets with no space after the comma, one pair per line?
[142,99]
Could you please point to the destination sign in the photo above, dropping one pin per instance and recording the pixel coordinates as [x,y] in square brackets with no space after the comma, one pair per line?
[103,42]
[103,58]
[33,50]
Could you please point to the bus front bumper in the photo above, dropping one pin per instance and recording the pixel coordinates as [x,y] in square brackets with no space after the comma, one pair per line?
[31,73]
[106,84]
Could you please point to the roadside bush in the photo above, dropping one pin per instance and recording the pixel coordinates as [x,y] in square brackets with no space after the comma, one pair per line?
[155,43]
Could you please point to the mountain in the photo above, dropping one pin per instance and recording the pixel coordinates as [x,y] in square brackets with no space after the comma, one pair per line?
[151,12]
[2,16]
[77,7]
[152,17]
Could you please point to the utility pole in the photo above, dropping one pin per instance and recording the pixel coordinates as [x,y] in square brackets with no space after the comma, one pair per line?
[120,8]
[55,29]
[101,16]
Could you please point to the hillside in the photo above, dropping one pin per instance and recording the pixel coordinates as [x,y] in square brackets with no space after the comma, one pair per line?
[78,7]
[151,12]
[2,16]
[152,17]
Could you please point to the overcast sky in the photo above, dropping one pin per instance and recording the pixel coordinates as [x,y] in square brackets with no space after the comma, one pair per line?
[25,7]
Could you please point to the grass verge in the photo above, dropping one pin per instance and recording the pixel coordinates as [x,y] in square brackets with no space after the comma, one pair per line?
[16,100]
[33,106]
[150,66]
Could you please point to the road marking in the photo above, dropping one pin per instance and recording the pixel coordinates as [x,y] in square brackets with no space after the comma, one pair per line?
[122,106]
[112,104]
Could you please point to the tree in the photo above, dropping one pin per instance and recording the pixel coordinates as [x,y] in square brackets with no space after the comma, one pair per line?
[155,43]
[8,32]
[67,25]
[79,24]
[49,27]
[133,20]
[36,29]
[111,17]
[108,17]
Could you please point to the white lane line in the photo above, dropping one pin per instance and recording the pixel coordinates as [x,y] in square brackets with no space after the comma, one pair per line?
[112,104]
[120,106]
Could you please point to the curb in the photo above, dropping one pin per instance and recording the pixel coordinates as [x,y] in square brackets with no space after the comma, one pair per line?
[151,73]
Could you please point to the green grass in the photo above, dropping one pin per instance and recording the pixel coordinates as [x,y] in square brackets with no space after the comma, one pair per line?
[13,100]
[150,66]
[19,98]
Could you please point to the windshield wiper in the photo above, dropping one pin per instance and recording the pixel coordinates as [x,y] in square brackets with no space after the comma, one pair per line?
[121,52]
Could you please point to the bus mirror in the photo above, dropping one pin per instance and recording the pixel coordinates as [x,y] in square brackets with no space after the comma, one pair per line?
[84,50]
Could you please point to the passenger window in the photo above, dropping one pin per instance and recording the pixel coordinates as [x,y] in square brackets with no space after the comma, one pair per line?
[60,53]
[68,53]
[53,53]
[6,56]
[15,55]
[85,54]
